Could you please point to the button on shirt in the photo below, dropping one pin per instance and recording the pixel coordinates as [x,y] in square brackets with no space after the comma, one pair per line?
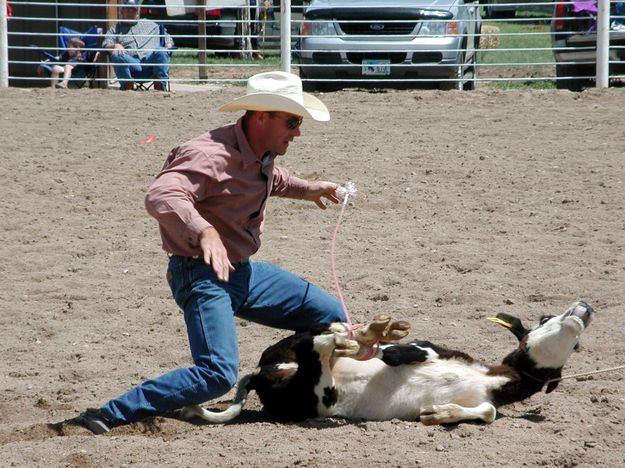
[139,39]
[216,180]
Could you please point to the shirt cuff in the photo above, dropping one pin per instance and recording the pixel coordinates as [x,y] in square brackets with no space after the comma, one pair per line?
[193,229]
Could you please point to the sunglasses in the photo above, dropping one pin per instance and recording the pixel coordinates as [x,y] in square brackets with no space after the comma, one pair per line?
[291,122]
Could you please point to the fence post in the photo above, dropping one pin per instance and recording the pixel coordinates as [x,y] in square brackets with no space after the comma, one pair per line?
[603,44]
[285,35]
[246,31]
[106,71]
[4,46]
[201,41]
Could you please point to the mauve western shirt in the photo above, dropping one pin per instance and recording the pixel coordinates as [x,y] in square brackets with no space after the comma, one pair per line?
[216,180]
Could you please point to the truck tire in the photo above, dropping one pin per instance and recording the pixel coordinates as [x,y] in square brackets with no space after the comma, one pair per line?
[470,74]
[465,76]
[563,80]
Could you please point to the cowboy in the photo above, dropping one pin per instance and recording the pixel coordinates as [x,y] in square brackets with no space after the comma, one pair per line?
[209,201]
[135,47]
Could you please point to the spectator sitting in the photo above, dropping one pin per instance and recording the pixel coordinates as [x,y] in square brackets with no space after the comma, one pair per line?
[135,47]
[69,59]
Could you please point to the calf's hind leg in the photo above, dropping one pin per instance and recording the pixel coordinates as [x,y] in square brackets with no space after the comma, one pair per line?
[453,413]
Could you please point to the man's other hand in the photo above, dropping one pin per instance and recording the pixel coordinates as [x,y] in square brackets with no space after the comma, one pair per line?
[215,254]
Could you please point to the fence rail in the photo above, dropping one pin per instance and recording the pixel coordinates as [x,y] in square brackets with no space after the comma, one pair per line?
[548,44]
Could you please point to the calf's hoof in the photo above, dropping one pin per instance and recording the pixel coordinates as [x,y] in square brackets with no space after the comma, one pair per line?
[396,331]
[345,347]
[373,332]
[428,416]
[379,323]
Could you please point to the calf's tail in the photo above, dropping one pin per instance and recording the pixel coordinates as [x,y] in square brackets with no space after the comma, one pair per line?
[228,414]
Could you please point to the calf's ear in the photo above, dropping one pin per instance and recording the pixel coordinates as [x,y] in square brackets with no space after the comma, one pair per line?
[511,323]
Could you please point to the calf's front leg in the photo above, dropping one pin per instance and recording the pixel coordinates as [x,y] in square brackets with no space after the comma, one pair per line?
[382,329]
[365,339]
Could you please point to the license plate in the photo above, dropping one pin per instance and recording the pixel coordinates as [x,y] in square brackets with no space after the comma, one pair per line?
[376,67]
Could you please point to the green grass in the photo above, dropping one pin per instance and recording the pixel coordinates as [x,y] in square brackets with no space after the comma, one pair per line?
[516,41]
[190,56]
[185,67]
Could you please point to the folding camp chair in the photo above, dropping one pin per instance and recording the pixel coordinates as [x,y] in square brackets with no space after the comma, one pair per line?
[83,71]
[143,84]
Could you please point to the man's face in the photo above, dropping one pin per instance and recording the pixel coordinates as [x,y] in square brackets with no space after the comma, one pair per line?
[129,12]
[280,128]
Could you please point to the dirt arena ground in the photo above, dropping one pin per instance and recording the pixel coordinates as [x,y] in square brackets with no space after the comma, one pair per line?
[469,204]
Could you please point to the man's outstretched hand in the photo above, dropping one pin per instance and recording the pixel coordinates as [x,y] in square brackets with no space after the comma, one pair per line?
[318,190]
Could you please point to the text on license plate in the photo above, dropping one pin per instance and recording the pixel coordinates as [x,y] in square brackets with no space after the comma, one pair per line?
[376,67]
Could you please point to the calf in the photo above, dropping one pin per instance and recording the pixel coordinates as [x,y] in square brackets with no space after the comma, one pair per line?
[318,373]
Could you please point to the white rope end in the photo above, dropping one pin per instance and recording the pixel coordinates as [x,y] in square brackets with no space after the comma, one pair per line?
[346,191]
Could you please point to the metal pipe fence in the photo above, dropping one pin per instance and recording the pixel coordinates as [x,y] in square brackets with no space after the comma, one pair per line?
[456,45]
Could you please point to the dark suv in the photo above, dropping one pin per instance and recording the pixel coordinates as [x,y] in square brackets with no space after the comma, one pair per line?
[574,42]
[221,25]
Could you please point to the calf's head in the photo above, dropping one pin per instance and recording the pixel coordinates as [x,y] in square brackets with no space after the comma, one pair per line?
[552,341]
[544,349]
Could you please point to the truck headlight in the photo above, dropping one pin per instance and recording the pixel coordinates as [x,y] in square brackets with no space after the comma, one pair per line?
[439,28]
[318,28]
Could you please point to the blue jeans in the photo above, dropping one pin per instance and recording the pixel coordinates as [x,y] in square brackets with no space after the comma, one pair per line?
[154,65]
[258,292]
[619,10]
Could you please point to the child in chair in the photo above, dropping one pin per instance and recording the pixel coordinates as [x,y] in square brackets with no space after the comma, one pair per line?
[67,61]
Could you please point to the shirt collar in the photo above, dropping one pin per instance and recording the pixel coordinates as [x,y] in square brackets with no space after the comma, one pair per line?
[248,155]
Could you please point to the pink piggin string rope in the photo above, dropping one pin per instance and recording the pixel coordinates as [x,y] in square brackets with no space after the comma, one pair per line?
[344,192]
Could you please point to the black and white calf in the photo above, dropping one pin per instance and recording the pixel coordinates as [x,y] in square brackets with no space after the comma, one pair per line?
[317,373]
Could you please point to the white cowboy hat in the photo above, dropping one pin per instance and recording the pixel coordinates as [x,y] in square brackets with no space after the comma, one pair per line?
[279,91]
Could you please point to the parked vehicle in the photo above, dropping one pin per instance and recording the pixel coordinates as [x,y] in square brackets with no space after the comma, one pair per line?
[509,8]
[500,8]
[574,42]
[390,40]
[221,25]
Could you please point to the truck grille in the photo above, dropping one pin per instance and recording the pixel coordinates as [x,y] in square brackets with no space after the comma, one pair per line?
[375,28]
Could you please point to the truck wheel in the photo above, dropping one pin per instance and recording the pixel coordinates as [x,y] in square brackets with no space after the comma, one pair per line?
[469,79]
[454,81]
[564,80]
[306,85]
[465,75]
